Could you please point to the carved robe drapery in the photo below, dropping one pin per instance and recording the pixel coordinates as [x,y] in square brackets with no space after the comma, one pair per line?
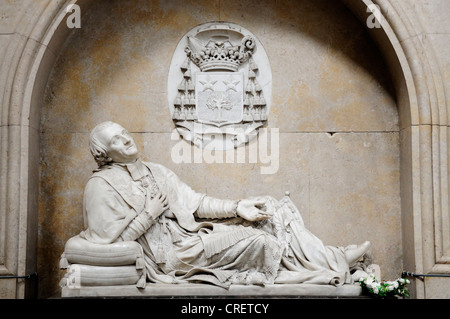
[198,239]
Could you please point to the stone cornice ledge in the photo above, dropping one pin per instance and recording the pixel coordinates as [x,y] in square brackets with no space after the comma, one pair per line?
[165,290]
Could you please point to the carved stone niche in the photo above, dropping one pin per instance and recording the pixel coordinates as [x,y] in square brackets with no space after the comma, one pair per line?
[219,86]
[219,95]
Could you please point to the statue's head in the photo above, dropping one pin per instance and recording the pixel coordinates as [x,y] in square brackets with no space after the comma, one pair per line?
[110,142]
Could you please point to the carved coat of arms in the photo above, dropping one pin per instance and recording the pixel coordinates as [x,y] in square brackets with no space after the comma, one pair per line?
[218,96]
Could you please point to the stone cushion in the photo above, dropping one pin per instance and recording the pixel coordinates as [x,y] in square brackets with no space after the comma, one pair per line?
[78,276]
[80,251]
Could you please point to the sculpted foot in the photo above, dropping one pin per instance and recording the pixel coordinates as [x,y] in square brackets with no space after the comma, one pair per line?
[355,253]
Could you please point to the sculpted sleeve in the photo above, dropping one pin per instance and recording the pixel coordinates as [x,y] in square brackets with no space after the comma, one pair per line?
[137,227]
[211,207]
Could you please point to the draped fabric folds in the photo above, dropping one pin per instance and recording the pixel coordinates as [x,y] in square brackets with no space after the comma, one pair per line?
[199,238]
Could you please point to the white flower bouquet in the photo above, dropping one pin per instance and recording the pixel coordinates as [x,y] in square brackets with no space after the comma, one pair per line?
[385,289]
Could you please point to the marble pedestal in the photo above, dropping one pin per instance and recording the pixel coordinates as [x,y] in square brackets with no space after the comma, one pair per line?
[201,290]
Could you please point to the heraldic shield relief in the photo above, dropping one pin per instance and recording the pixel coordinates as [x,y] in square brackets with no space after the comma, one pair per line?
[219,86]
[219,97]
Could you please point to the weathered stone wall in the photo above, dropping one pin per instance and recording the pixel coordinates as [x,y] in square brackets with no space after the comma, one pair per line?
[333,103]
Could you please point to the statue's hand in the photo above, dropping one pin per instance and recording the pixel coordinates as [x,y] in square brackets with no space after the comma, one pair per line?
[157,205]
[252,210]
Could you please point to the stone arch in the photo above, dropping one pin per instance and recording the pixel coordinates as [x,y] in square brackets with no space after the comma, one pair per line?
[29,54]
[424,118]
[29,57]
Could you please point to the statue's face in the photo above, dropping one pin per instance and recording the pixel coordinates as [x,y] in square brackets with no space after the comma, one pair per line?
[120,145]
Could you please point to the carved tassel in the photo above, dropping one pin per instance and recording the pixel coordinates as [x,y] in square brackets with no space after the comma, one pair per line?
[185,65]
[140,264]
[248,88]
[191,86]
[253,65]
[182,115]
[174,234]
[142,281]
[177,100]
[63,262]
[263,115]
[262,100]
[247,117]
[182,86]
[63,281]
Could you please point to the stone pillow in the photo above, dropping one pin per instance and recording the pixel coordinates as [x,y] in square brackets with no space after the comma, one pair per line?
[80,251]
[78,276]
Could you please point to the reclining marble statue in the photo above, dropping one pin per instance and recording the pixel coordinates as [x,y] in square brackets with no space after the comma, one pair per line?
[188,236]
